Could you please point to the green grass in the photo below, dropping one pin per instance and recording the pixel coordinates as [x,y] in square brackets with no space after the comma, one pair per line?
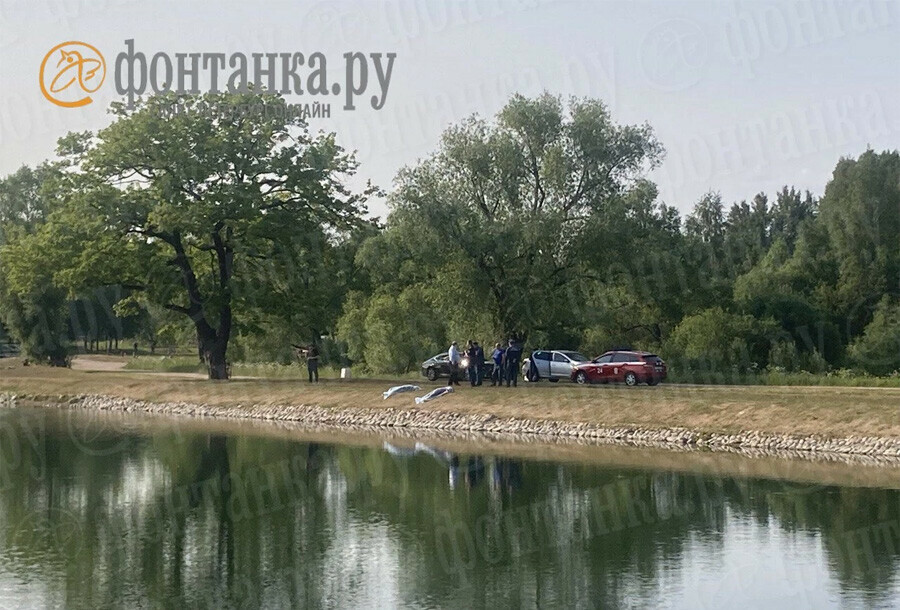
[829,411]
[165,364]
[838,378]
[273,370]
[266,370]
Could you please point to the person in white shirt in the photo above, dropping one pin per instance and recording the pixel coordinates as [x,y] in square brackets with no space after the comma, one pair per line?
[454,357]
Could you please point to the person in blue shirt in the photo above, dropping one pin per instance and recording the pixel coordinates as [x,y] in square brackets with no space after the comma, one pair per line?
[497,373]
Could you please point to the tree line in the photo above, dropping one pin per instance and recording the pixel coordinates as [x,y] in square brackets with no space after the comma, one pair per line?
[236,232]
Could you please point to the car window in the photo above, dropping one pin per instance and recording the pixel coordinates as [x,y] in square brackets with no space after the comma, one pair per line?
[604,359]
[576,356]
[624,357]
[542,355]
[559,358]
[442,357]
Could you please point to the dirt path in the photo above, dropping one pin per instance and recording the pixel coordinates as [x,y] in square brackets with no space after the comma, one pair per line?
[97,363]
[105,364]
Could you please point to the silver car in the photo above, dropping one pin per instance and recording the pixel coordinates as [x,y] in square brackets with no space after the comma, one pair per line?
[553,364]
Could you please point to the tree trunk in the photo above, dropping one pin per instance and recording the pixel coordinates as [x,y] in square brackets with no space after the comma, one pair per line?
[218,366]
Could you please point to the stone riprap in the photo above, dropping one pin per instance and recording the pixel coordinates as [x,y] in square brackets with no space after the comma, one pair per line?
[415,418]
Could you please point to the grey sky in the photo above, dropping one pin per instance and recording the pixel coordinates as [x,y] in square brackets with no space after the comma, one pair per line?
[746,96]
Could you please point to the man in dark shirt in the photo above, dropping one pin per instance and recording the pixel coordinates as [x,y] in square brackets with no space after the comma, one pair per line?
[511,361]
[471,356]
[479,363]
[312,362]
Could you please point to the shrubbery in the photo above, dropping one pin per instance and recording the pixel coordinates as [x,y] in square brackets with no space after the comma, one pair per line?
[877,351]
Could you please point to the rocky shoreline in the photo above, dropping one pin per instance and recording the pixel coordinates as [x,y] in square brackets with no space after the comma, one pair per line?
[425,419]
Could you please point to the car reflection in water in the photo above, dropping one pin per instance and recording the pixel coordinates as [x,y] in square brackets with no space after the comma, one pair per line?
[503,474]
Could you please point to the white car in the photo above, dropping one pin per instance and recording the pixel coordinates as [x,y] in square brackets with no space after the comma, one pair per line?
[553,364]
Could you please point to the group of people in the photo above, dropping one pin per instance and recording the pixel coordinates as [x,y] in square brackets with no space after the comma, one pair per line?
[507,360]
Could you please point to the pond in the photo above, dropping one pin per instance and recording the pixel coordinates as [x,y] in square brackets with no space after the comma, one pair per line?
[104,510]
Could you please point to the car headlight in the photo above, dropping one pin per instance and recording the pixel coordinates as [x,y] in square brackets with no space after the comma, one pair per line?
[464,363]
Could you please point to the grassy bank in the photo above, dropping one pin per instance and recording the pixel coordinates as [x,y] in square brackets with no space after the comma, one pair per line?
[839,378]
[268,370]
[827,411]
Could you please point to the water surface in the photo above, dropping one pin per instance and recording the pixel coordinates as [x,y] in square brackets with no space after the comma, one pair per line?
[96,513]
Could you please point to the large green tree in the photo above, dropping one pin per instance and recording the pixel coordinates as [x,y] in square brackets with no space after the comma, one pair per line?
[515,202]
[32,305]
[861,212]
[199,211]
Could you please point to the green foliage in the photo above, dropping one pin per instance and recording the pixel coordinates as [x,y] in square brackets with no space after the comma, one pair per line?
[716,340]
[512,203]
[392,333]
[215,214]
[33,306]
[221,229]
[877,351]
[37,319]
[861,212]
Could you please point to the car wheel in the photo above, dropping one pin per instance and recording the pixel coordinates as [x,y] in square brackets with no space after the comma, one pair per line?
[581,378]
[630,378]
[652,381]
[431,374]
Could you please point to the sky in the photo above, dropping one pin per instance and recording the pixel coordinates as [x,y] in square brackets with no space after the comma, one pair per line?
[746,96]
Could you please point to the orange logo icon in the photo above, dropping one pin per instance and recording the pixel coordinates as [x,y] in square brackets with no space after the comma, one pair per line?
[70,72]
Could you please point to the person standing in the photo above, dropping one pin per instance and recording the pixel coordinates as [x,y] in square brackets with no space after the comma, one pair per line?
[312,362]
[471,356]
[479,364]
[512,358]
[497,357]
[453,357]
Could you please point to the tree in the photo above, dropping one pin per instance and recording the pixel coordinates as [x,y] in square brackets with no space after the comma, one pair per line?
[513,203]
[186,207]
[401,332]
[32,305]
[789,214]
[877,351]
[861,212]
[25,200]
[746,236]
[717,340]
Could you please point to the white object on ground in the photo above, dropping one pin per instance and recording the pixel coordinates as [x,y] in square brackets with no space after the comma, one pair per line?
[398,389]
[345,373]
[435,393]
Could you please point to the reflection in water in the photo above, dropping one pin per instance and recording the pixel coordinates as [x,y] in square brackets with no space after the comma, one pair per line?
[173,519]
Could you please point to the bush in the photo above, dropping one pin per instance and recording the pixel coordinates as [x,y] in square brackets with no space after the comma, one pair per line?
[38,320]
[718,341]
[784,356]
[877,351]
[392,333]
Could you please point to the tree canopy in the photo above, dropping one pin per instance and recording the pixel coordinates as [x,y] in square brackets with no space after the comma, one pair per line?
[230,222]
[189,211]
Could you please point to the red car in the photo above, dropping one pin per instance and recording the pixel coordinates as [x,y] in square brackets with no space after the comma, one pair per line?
[629,367]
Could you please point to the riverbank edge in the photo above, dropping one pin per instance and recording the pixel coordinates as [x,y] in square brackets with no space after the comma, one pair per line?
[416,418]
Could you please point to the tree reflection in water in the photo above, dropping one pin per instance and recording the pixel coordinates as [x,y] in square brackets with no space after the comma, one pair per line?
[241,521]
